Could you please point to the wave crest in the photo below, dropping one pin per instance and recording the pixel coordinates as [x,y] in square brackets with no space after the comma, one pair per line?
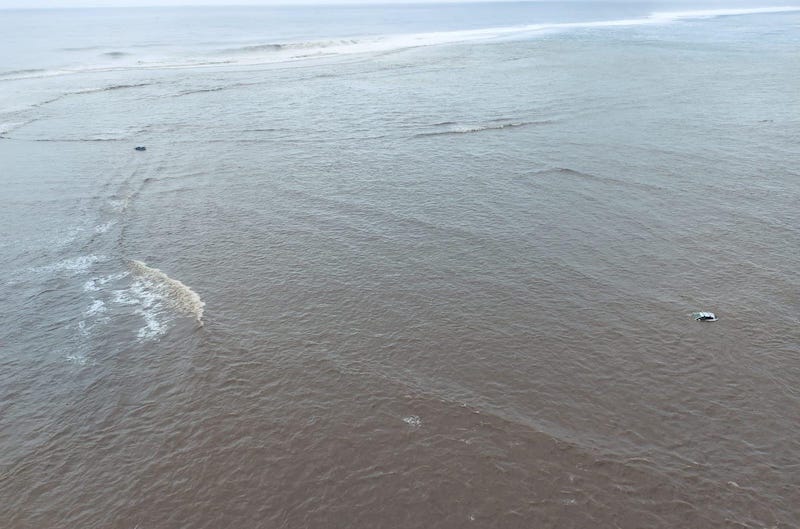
[307,45]
[454,128]
[176,294]
[24,71]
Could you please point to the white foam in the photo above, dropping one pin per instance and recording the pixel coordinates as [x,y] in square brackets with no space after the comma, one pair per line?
[73,265]
[157,297]
[120,205]
[150,306]
[98,306]
[102,228]
[77,358]
[94,284]
[95,310]
[175,293]
[124,297]
[714,13]
[413,421]
[154,326]
[289,51]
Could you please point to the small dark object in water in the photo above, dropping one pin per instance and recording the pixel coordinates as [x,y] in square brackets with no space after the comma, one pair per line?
[140,148]
[704,316]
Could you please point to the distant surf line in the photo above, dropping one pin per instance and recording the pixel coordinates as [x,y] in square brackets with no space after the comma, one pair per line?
[277,52]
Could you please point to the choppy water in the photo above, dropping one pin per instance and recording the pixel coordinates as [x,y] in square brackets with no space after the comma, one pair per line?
[418,279]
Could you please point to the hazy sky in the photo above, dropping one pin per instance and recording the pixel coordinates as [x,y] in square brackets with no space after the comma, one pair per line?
[5,4]
[114,3]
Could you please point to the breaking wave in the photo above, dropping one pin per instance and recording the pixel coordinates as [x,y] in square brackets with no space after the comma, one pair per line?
[176,294]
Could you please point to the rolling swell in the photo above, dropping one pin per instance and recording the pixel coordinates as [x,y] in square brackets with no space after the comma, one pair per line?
[454,128]
[78,140]
[308,45]
[562,171]
[7,128]
[566,172]
[108,88]
[23,72]
[176,294]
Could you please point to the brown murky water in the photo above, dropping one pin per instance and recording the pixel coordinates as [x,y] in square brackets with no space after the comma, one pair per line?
[444,287]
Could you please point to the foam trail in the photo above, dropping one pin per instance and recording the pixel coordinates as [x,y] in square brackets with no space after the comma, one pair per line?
[74,265]
[178,295]
[95,284]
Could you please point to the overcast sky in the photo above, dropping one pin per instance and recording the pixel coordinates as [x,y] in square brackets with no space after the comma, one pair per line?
[117,3]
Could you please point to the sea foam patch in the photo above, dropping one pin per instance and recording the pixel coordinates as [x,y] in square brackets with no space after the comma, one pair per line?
[413,420]
[176,294]
[97,283]
[77,358]
[73,265]
[98,306]
[148,304]
[158,299]
[102,228]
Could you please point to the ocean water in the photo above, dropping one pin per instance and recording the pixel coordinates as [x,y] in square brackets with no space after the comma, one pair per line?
[400,266]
